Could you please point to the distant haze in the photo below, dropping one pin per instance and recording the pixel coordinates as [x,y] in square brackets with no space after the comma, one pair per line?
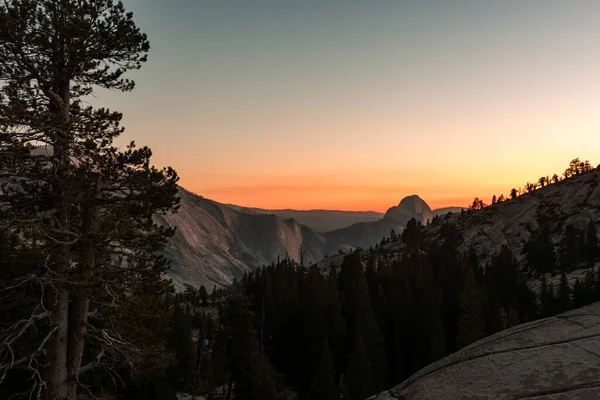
[319,220]
[348,104]
[328,220]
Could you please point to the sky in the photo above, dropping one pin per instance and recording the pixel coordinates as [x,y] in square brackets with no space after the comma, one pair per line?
[354,105]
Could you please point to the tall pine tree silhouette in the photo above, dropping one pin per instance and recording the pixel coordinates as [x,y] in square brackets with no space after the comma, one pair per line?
[359,316]
[358,379]
[591,244]
[89,205]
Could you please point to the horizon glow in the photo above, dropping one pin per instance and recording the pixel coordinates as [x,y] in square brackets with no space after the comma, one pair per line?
[354,105]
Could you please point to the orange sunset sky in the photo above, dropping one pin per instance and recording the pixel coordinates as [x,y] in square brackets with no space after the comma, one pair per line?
[354,105]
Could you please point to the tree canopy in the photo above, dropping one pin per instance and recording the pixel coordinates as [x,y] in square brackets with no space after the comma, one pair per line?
[78,209]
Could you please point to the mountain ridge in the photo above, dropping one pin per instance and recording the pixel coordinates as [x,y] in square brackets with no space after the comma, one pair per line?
[575,201]
[320,219]
[215,243]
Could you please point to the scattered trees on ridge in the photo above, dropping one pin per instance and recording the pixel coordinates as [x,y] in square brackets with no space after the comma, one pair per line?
[576,167]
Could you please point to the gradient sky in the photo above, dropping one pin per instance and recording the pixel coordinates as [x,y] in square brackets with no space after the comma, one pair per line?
[353,104]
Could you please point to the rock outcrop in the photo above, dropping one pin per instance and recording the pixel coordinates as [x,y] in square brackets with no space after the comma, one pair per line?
[552,358]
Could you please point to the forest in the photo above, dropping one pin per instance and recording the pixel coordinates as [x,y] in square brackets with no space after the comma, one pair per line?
[365,326]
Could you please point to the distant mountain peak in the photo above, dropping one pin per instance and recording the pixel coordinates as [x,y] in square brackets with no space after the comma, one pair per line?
[410,207]
[414,203]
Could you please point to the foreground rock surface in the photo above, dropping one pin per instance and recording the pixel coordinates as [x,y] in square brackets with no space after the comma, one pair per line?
[553,358]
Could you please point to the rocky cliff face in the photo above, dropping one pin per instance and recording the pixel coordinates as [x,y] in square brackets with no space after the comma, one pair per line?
[553,358]
[215,243]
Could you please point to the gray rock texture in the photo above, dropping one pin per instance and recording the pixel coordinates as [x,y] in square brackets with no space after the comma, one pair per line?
[553,358]
[216,243]
[575,200]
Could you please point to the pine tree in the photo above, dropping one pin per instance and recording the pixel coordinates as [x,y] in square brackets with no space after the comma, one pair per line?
[371,277]
[564,294]
[205,326]
[591,243]
[526,305]
[89,206]
[218,372]
[582,246]
[596,273]
[548,298]
[492,307]
[359,316]
[550,304]
[358,377]
[589,285]
[570,251]
[322,385]
[580,296]
[144,322]
[412,235]
[214,295]
[183,344]
[539,249]
[203,295]
[470,323]
[337,331]
[544,294]
[252,377]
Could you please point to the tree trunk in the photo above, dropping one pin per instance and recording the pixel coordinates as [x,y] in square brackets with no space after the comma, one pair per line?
[229,389]
[199,368]
[77,324]
[58,304]
[81,301]
[58,368]
[57,374]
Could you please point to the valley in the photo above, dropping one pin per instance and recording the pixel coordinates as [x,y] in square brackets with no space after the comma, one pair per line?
[215,243]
